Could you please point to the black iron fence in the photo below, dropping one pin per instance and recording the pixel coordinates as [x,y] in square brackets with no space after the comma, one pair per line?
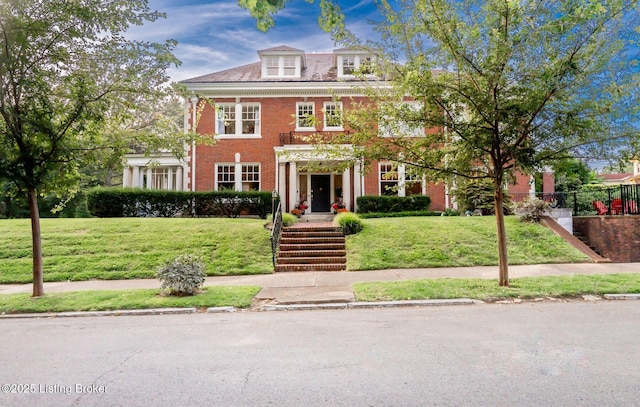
[613,200]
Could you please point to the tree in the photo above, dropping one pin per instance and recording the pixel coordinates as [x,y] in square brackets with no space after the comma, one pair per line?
[502,86]
[64,65]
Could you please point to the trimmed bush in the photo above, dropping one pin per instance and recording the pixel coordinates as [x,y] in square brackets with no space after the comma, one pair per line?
[405,214]
[348,223]
[411,203]
[136,202]
[182,276]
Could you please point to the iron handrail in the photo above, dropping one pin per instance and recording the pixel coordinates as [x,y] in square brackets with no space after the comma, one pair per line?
[276,232]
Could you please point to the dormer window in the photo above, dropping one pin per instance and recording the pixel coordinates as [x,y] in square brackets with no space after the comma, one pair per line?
[282,62]
[350,64]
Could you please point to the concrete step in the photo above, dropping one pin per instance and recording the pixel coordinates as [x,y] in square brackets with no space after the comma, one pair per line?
[311,267]
[305,233]
[312,253]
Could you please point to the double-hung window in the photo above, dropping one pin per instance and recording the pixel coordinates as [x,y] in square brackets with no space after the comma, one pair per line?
[305,119]
[250,177]
[333,115]
[289,66]
[239,119]
[404,120]
[348,65]
[272,64]
[226,177]
[388,179]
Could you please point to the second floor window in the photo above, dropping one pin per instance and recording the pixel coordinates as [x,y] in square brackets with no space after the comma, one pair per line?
[241,119]
[305,116]
[333,115]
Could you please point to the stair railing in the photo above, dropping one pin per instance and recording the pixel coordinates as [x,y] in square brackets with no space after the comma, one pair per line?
[276,232]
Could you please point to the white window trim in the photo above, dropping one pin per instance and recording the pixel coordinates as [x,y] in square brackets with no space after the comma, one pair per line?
[401,181]
[237,173]
[383,131]
[324,111]
[281,70]
[358,60]
[305,128]
[238,122]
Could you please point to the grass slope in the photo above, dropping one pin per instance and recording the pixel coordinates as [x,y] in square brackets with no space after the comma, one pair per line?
[452,241]
[84,249]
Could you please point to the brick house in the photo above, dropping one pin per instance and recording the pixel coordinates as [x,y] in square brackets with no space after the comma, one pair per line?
[260,120]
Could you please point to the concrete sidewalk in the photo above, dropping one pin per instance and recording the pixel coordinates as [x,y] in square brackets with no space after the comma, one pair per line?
[335,287]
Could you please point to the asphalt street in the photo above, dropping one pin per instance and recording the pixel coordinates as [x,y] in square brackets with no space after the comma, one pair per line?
[547,354]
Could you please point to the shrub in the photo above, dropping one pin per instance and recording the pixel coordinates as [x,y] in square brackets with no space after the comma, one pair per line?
[530,209]
[289,219]
[183,275]
[411,203]
[477,194]
[403,214]
[348,223]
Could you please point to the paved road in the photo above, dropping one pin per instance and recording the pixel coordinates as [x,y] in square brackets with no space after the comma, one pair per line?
[545,354]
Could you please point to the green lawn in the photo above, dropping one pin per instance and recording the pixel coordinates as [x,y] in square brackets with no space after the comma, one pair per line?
[84,249]
[452,241]
[239,297]
[485,289]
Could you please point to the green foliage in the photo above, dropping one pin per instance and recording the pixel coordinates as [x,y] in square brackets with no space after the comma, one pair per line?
[135,202]
[348,223]
[289,219]
[368,204]
[530,209]
[477,194]
[183,275]
[571,174]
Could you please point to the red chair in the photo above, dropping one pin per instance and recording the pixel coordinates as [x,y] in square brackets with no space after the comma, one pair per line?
[600,208]
[616,206]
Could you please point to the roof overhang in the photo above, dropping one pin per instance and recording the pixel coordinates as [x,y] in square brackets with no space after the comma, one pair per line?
[280,88]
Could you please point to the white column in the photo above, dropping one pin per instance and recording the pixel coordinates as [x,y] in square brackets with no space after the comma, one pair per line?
[126,177]
[346,188]
[179,178]
[136,177]
[282,181]
[293,184]
[170,178]
[532,186]
[357,184]
[148,178]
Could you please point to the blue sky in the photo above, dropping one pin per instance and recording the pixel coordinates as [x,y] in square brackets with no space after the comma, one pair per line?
[217,34]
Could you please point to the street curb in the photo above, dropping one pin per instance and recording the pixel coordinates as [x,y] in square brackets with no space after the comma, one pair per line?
[78,314]
[622,296]
[366,305]
[220,310]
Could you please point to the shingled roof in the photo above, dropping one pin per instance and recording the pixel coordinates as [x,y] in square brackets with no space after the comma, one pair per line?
[319,68]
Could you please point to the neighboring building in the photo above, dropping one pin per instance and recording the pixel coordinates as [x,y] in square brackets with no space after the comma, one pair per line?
[261,114]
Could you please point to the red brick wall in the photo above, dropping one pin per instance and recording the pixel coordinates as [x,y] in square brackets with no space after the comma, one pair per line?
[615,237]
[548,182]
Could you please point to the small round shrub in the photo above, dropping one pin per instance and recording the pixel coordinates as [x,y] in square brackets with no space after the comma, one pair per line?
[348,223]
[183,275]
[289,219]
[530,209]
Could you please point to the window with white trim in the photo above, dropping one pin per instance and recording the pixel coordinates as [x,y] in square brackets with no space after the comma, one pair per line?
[289,66]
[273,66]
[250,177]
[333,115]
[239,119]
[305,119]
[348,65]
[226,177]
[388,179]
[394,126]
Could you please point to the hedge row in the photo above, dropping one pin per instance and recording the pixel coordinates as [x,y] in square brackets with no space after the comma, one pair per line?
[368,204]
[128,202]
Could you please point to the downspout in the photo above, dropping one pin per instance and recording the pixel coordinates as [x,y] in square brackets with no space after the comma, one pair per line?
[194,104]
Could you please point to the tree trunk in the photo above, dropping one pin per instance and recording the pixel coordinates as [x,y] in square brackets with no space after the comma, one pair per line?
[38,285]
[502,234]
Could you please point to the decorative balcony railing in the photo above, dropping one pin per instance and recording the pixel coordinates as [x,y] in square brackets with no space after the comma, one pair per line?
[295,138]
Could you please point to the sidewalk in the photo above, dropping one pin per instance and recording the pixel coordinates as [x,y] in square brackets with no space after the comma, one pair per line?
[335,287]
